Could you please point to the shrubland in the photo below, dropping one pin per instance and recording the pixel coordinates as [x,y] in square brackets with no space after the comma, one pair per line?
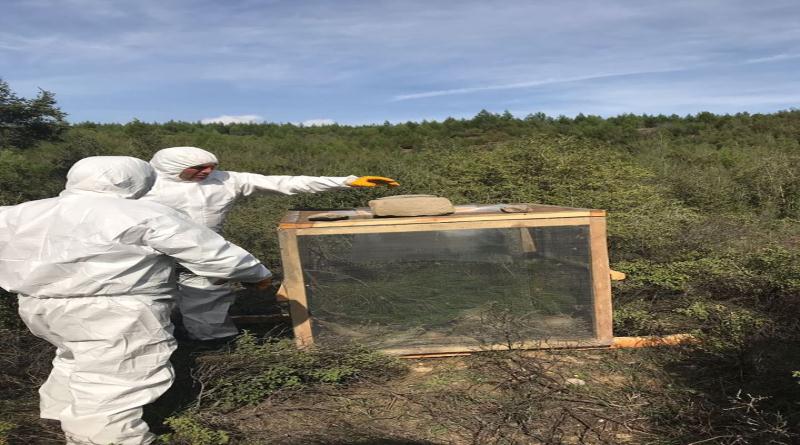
[704,217]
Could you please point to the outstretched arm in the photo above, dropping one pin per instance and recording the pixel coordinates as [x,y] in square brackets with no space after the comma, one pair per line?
[290,185]
[249,183]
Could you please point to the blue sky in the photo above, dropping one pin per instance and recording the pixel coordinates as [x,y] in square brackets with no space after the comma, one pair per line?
[358,62]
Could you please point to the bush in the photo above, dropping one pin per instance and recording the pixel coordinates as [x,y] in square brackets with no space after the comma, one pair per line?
[654,279]
[189,431]
[724,330]
[24,122]
[18,172]
[255,370]
[635,319]
[5,428]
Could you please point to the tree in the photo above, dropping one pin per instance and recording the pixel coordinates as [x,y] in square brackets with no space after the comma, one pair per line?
[24,122]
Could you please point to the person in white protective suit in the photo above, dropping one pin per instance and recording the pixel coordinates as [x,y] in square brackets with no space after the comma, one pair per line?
[94,272]
[188,180]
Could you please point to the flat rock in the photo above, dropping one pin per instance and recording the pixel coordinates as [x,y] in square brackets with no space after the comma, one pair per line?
[411,205]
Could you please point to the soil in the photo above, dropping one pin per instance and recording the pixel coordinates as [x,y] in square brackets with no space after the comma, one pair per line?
[466,400]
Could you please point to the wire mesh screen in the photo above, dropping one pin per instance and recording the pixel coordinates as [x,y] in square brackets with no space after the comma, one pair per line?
[451,287]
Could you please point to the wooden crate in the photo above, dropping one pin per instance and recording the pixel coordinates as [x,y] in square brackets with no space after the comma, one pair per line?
[553,259]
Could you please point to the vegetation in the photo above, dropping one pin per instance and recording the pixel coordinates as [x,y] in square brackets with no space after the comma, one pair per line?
[704,217]
[23,122]
[254,370]
[189,431]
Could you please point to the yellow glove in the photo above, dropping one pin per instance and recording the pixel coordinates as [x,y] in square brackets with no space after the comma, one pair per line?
[372,181]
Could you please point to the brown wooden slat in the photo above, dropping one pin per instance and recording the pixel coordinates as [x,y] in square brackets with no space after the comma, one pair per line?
[295,288]
[601,280]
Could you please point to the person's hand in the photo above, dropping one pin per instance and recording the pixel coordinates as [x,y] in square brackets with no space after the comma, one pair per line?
[260,285]
[372,181]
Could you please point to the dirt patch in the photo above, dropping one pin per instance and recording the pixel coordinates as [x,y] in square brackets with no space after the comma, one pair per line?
[513,398]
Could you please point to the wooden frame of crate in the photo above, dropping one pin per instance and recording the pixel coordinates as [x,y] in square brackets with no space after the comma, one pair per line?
[360,221]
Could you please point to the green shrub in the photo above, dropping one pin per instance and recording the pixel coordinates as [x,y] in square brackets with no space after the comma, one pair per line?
[77,145]
[764,276]
[724,330]
[552,170]
[768,278]
[5,428]
[255,369]
[634,319]
[26,176]
[187,430]
[655,279]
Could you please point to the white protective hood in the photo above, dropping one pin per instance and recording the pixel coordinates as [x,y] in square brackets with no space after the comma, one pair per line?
[120,176]
[170,162]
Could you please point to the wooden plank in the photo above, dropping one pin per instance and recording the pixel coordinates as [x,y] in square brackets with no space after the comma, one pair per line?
[601,279]
[470,211]
[291,217]
[434,355]
[295,287]
[460,225]
[464,349]
[617,276]
[616,343]
[281,295]
[433,219]
[652,341]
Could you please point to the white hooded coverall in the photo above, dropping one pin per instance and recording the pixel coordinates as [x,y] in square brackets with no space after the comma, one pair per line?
[203,304]
[93,268]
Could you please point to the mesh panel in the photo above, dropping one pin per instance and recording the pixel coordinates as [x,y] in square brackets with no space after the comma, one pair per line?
[450,287]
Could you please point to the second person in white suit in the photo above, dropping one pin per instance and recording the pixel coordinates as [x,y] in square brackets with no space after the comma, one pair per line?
[189,180]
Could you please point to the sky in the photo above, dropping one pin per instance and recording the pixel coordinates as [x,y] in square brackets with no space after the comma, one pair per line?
[316,62]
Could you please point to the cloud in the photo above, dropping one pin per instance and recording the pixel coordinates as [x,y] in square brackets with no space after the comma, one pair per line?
[687,94]
[318,122]
[529,84]
[226,119]
[774,58]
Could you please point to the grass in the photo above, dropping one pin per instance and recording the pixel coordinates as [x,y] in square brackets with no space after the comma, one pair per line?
[666,395]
